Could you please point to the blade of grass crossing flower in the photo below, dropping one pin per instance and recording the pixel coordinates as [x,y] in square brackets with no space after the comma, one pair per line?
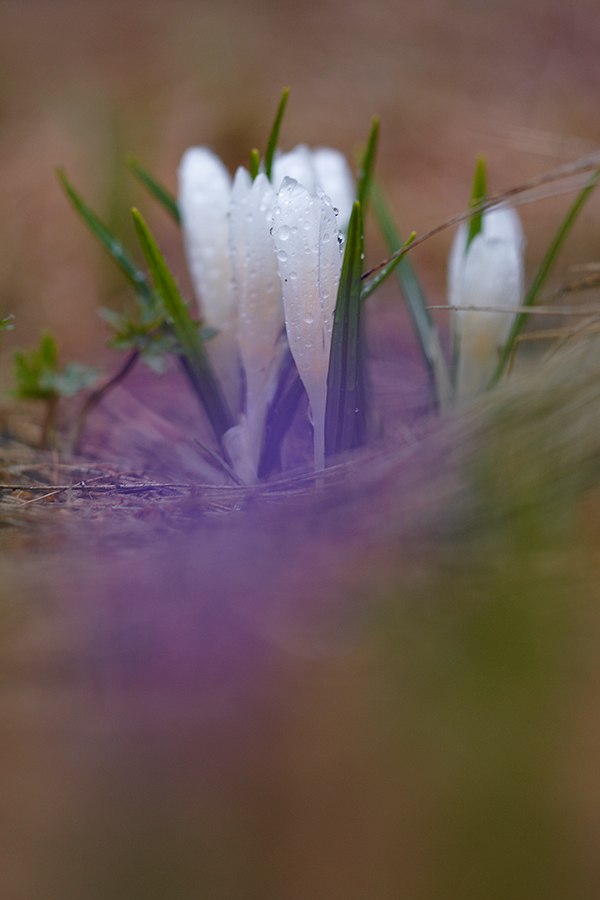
[477,198]
[416,302]
[543,271]
[196,362]
[158,191]
[345,416]
[369,287]
[108,240]
[367,163]
[274,136]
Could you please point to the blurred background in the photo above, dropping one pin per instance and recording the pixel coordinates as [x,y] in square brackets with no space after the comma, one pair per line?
[396,698]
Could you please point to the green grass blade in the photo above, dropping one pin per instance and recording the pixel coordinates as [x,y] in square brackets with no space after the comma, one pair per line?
[477,198]
[416,302]
[195,359]
[158,191]
[274,136]
[367,163]
[345,415]
[369,287]
[254,164]
[543,271]
[108,240]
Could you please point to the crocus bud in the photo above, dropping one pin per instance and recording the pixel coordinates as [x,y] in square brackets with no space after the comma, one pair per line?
[489,272]
[309,257]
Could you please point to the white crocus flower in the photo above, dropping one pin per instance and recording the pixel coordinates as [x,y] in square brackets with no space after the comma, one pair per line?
[238,265]
[309,256]
[325,168]
[257,292]
[489,273]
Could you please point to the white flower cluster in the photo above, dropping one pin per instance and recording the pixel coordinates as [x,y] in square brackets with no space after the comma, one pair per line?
[263,253]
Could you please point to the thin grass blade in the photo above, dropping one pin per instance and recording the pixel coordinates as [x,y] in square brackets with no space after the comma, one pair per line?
[254,164]
[274,136]
[108,240]
[195,360]
[367,163]
[345,415]
[543,271]
[369,287]
[415,300]
[158,190]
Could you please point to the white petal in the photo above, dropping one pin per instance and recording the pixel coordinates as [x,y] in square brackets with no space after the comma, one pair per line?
[258,293]
[204,196]
[333,175]
[297,164]
[309,259]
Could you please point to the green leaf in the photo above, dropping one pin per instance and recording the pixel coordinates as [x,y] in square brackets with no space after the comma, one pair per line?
[158,190]
[274,136]
[415,300]
[110,243]
[477,197]
[74,378]
[365,172]
[254,164]
[543,271]
[39,377]
[345,415]
[194,357]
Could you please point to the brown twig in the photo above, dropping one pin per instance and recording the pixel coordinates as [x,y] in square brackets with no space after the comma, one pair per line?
[96,396]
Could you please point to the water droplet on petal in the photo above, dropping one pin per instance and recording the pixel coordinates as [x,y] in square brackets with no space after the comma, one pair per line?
[283,233]
[326,238]
[340,239]
[309,321]
[282,256]
[336,210]
[293,276]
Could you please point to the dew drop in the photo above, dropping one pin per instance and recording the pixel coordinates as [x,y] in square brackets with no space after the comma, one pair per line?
[282,256]
[326,238]
[293,276]
[340,239]
[309,320]
[336,210]
[306,225]
[283,233]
